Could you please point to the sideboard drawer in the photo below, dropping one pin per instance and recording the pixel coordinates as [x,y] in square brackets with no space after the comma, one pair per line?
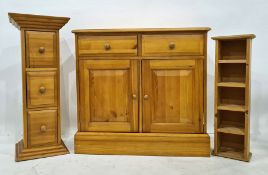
[41,49]
[107,45]
[42,127]
[41,89]
[172,45]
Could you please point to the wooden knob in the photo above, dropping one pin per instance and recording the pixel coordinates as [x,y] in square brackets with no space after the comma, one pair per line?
[41,50]
[107,46]
[42,90]
[134,96]
[135,46]
[43,128]
[145,97]
[172,46]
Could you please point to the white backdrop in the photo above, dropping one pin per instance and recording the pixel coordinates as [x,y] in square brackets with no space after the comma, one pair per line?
[224,17]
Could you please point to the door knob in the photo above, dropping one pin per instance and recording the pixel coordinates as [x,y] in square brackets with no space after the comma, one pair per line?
[134,96]
[145,97]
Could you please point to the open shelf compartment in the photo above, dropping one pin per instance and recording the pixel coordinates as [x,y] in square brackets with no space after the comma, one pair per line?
[232,74]
[233,50]
[232,99]
[231,146]
[231,122]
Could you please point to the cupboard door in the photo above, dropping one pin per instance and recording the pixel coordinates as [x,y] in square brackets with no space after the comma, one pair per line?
[172,95]
[108,95]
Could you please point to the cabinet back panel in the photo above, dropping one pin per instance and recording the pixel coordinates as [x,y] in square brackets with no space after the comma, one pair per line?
[232,72]
[235,96]
[233,50]
[231,118]
[232,141]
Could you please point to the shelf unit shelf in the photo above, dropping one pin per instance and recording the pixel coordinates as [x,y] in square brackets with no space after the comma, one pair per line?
[232,130]
[232,61]
[232,84]
[232,153]
[231,107]
[232,87]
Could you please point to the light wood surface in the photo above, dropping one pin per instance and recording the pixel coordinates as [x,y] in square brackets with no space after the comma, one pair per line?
[139,81]
[107,45]
[143,30]
[37,22]
[109,95]
[23,153]
[232,96]
[172,45]
[41,49]
[41,86]
[42,89]
[142,144]
[172,89]
[234,37]
[42,126]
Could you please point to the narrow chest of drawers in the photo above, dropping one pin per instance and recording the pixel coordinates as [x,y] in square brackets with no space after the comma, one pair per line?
[41,85]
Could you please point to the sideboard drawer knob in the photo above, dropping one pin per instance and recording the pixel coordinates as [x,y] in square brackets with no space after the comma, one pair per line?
[41,50]
[42,90]
[172,46]
[107,46]
[43,128]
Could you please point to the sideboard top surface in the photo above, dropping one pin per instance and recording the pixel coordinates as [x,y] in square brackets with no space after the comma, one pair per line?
[142,30]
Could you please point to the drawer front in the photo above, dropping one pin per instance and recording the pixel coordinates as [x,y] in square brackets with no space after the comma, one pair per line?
[42,89]
[172,45]
[107,45]
[42,127]
[41,49]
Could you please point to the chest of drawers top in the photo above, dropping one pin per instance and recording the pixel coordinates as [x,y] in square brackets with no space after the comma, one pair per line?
[141,42]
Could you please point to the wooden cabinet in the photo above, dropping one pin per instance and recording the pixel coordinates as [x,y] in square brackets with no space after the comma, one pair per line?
[232,96]
[40,86]
[142,92]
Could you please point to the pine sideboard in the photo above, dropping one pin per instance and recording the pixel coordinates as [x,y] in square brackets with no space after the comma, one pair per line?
[142,91]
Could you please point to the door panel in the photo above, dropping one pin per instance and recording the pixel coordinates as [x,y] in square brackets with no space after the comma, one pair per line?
[106,88]
[171,92]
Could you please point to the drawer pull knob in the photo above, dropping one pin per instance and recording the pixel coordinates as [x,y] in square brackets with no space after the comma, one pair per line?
[41,50]
[172,46]
[107,46]
[42,90]
[145,97]
[134,96]
[43,128]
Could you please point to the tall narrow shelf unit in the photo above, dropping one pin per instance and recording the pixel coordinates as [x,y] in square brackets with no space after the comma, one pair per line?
[232,96]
